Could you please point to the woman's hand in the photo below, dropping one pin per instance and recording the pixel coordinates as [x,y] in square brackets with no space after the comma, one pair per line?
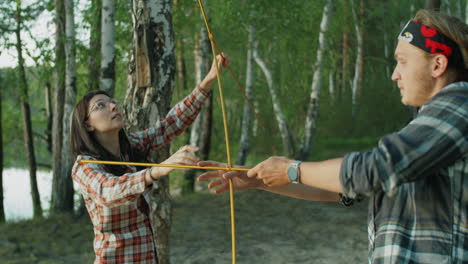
[221,178]
[184,156]
[223,62]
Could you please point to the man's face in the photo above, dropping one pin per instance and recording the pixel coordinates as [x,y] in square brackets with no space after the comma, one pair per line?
[413,74]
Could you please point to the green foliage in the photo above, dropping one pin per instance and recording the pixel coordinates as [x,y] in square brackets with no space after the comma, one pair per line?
[287,35]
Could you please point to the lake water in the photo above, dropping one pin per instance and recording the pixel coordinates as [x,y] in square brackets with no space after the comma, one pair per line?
[17,199]
[17,193]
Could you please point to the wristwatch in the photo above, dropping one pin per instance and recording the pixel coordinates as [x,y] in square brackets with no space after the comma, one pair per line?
[294,173]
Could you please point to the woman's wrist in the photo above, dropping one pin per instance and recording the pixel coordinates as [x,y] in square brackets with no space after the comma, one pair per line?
[155,173]
[206,84]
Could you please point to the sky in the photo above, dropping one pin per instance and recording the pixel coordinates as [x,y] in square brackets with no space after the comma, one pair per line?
[42,28]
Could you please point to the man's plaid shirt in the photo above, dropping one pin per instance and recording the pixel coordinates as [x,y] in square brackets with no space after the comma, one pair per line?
[417,182]
[120,206]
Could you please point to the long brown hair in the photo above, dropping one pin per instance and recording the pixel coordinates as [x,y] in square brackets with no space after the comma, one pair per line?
[453,28]
[85,143]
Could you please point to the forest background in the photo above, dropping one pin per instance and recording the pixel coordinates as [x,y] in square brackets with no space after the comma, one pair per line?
[317,72]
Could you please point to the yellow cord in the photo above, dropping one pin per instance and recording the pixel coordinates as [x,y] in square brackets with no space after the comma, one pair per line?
[226,134]
[162,165]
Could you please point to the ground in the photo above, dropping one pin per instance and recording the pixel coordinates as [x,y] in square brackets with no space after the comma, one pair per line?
[269,229]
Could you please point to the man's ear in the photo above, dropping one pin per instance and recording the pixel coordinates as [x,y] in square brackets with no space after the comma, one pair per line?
[439,66]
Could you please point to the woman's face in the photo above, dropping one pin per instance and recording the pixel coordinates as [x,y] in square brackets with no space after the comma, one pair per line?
[104,115]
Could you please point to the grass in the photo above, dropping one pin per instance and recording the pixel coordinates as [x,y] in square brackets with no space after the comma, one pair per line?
[270,229]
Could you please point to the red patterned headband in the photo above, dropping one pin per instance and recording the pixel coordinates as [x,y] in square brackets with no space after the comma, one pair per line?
[432,41]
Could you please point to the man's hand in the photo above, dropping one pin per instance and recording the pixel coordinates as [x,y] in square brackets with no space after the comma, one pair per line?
[220,182]
[273,171]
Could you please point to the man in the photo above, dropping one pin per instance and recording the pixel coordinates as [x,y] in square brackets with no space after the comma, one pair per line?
[416,178]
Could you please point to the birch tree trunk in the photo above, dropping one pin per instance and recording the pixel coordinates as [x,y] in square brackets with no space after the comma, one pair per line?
[246,128]
[181,69]
[386,50]
[56,204]
[358,66]
[48,107]
[65,192]
[108,47]
[151,77]
[466,13]
[200,134]
[344,67]
[331,87]
[26,111]
[313,108]
[459,9]
[2,209]
[94,58]
[433,4]
[286,137]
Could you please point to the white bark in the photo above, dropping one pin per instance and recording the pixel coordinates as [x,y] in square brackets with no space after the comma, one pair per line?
[70,96]
[412,9]
[459,9]
[357,75]
[282,126]
[313,108]
[331,86]
[466,13]
[201,60]
[108,47]
[387,54]
[246,129]
[200,133]
[151,78]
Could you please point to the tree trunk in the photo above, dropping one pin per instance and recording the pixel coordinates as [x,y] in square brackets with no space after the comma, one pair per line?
[2,209]
[331,87]
[433,4]
[65,191]
[344,68]
[108,47]
[286,137]
[59,95]
[181,69]
[26,111]
[313,108]
[459,9]
[48,105]
[200,134]
[358,67]
[466,13]
[94,58]
[151,79]
[247,115]
[387,55]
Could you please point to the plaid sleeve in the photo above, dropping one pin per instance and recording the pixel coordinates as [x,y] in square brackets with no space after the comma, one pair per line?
[433,140]
[105,188]
[175,122]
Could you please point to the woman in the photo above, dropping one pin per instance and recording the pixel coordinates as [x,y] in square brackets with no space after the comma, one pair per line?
[118,198]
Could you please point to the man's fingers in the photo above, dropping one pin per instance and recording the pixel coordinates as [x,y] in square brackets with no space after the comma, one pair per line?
[210,163]
[232,174]
[221,189]
[209,175]
[254,171]
[215,183]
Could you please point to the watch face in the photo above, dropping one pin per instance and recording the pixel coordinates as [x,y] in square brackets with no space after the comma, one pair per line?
[292,172]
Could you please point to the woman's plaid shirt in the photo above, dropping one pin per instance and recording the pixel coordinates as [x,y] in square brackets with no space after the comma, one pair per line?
[120,206]
[417,181]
